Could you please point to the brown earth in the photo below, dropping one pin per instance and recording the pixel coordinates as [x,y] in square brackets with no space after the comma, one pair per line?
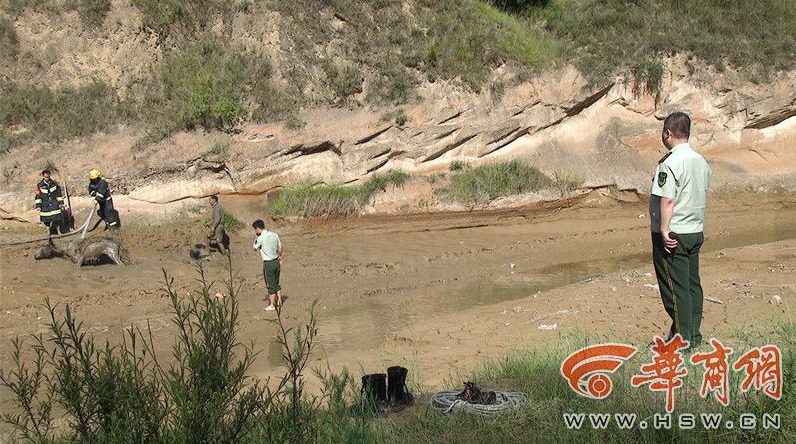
[436,293]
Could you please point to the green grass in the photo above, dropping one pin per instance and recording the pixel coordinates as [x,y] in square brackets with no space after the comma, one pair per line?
[537,374]
[380,52]
[231,223]
[9,40]
[566,184]
[219,151]
[751,36]
[69,387]
[458,165]
[311,201]
[485,183]
[56,115]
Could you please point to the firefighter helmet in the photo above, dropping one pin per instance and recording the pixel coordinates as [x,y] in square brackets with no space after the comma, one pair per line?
[93,174]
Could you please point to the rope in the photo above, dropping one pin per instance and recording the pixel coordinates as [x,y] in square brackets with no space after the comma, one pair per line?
[448,401]
[81,230]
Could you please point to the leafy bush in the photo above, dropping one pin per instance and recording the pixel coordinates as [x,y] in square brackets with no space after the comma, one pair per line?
[123,393]
[485,183]
[204,84]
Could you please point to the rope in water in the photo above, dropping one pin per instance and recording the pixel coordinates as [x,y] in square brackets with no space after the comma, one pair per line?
[448,400]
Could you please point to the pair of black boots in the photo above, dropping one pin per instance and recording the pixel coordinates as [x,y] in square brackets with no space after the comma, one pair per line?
[387,392]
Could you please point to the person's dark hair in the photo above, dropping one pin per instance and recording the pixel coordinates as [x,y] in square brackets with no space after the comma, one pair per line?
[259,224]
[214,198]
[679,124]
[45,172]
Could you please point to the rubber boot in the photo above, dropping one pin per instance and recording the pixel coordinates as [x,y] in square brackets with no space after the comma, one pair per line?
[374,390]
[397,392]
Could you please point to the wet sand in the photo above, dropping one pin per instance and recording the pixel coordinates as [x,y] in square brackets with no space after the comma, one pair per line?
[436,293]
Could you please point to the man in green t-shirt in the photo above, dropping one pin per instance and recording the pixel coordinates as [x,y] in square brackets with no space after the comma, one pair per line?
[678,200]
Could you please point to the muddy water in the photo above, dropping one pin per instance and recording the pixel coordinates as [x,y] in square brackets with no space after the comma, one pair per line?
[374,278]
[366,324]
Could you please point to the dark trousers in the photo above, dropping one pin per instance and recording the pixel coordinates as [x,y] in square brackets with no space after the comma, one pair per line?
[107,213]
[681,290]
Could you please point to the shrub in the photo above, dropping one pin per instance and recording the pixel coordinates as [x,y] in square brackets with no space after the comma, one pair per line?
[93,12]
[123,393]
[457,165]
[9,41]
[204,84]
[311,201]
[485,183]
[219,150]
[59,114]
[344,81]
[648,78]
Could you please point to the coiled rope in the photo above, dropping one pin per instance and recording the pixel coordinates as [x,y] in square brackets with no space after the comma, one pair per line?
[448,400]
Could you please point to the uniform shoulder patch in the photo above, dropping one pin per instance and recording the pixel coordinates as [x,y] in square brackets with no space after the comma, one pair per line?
[665,157]
[662,179]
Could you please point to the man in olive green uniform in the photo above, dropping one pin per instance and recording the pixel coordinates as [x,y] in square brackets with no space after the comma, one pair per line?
[678,200]
[217,234]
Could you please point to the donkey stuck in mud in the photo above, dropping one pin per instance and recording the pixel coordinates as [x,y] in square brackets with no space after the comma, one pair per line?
[92,249]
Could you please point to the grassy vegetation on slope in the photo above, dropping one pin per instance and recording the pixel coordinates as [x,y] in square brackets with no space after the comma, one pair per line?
[606,36]
[374,52]
[310,200]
